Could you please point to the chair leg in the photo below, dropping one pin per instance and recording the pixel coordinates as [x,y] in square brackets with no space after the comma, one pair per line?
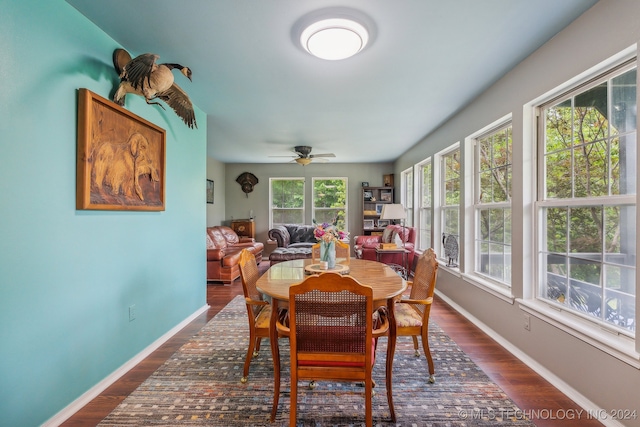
[257,347]
[427,352]
[415,345]
[294,401]
[368,395]
[247,360]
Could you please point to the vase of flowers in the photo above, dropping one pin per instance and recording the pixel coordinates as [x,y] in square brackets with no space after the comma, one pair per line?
[327,234]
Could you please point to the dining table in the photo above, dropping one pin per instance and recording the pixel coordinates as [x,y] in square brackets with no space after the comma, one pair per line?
[387,286]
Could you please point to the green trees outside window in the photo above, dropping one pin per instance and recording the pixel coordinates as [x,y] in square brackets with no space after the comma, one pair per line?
[330,201]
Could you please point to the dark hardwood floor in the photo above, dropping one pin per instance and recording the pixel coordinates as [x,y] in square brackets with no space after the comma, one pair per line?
[538,399]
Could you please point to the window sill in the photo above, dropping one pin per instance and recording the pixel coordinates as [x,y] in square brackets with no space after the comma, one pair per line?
[607,340]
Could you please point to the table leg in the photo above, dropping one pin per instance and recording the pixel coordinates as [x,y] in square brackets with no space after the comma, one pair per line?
[391,348]
[275,354]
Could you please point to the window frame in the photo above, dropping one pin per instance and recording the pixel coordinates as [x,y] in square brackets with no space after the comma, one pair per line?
[474,205]
[583,325]
[424,236]
[440,208]
[314,209]
[271,207]
[407,192]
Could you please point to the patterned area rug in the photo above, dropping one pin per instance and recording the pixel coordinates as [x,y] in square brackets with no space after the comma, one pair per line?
[200,386]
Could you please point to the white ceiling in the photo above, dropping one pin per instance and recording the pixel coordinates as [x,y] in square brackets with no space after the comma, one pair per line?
[263,94]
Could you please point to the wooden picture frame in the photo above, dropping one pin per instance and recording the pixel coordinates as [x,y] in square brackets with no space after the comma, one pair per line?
[210,189]
[385,196]
[121,158]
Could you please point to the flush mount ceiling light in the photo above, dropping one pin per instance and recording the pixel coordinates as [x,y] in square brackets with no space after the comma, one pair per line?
[334,38]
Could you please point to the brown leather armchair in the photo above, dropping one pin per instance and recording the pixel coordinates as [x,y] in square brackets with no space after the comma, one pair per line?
[223,253]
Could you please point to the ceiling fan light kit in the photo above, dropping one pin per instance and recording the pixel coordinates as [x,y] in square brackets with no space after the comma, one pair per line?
[304,157]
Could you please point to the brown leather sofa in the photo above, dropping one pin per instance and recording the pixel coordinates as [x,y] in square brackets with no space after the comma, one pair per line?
[223,253]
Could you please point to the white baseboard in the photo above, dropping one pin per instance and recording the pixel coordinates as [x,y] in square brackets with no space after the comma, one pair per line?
[558,383]
[95,391]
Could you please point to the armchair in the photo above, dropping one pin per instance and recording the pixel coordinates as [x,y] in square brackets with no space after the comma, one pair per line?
[365,246]
[412,314]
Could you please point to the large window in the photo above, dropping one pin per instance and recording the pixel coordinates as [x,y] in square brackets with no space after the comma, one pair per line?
[425,201]
[587,200]
[286,201]
[330,201]
[450,206]
[492,204]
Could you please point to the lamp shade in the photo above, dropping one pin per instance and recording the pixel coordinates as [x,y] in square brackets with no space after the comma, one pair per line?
[393,211]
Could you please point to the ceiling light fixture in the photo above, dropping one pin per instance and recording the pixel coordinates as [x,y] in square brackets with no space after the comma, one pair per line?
[334,39]
[303,161]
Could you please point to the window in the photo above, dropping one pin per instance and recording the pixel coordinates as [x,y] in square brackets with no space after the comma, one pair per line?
[492,204]
[587,200]
[286,201]
[407,195]
[424,200]
[330,201]
[450,205]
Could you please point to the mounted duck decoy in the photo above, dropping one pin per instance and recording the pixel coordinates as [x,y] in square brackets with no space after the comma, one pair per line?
[143,76]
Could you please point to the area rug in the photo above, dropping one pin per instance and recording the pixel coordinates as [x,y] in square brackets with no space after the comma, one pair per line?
[200,386]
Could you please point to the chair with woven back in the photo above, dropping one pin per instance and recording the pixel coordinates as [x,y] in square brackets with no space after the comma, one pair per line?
[331,334]
[258,310]
[412,314]
[343,252]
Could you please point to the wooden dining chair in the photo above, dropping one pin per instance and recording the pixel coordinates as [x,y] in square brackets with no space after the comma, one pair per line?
[412,314]
[331,334]
[258,310]
[343,253]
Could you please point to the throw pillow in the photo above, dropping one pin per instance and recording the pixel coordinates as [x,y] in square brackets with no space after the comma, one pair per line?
[387,234]
[404,236]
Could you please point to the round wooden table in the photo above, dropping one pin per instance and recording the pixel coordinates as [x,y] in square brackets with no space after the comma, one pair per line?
[386,284]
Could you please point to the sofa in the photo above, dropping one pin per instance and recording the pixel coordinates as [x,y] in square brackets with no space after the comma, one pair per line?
[293,242]
[365,246]
[223,253]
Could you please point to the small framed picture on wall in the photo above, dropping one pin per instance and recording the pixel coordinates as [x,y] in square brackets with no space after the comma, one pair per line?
[209,191]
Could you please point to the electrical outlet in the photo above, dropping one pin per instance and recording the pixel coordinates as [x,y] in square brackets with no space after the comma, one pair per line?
[527,322]
[132,312]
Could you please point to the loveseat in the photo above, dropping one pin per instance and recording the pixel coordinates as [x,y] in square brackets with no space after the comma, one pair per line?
[365,246]
[293,242]
[223,253]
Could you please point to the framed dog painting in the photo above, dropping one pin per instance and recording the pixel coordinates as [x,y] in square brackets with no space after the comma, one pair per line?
[121,158]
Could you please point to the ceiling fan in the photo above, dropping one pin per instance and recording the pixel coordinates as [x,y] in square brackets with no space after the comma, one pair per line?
[304,157]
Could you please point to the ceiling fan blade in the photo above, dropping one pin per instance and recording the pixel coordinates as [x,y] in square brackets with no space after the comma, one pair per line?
[323,155]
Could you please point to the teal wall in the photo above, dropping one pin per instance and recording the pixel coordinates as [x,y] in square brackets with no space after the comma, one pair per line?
[68,277]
